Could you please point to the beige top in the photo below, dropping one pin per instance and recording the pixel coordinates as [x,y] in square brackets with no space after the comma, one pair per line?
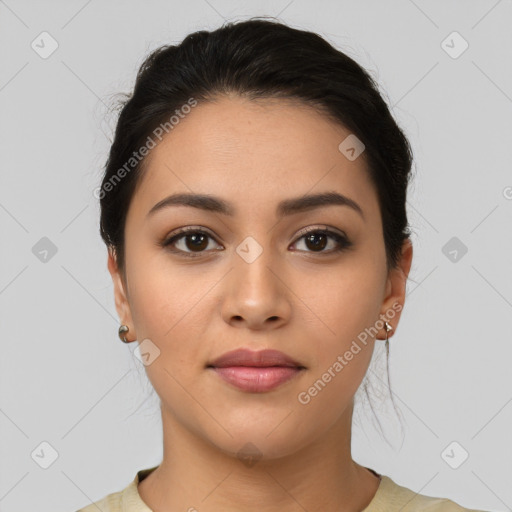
[390,497]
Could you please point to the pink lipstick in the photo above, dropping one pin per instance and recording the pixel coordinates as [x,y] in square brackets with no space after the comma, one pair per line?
[256,372]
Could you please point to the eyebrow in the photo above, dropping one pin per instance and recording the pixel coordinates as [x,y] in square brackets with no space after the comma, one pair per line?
[284,208]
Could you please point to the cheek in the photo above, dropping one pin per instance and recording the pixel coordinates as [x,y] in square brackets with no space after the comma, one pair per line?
[169,310]
[162,301]
[341,310]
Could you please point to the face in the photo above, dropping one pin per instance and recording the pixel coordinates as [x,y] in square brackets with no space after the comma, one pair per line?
[252,278]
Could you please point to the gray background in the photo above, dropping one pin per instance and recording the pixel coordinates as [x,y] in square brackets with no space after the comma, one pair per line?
[65,377]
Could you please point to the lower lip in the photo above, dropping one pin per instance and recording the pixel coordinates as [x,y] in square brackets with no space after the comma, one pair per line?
[257,379]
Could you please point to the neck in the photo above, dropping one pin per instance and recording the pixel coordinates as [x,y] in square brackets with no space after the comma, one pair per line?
[196,475]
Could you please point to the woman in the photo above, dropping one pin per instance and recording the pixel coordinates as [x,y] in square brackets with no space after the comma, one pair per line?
[254,209]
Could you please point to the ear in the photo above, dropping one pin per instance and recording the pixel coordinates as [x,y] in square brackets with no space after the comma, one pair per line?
[396,288]
[120,296]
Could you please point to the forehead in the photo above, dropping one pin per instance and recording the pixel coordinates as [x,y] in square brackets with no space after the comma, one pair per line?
[253,153]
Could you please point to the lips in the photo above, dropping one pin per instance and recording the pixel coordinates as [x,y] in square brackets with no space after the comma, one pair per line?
[261,359]
[255,372]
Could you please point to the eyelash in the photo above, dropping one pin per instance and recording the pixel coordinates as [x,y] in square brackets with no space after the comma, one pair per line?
[342,241]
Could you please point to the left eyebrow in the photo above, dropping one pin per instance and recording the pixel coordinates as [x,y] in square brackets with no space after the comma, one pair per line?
[284,208]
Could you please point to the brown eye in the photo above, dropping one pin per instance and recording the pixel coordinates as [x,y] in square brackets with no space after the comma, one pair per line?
[193,242]
[189,241]
[198,241]
[316,240]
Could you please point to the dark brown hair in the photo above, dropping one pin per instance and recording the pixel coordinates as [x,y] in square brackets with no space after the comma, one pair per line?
[256,58]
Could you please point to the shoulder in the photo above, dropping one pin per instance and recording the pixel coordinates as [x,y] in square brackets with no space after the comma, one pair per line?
[391,496]
[110,503]
[126,500]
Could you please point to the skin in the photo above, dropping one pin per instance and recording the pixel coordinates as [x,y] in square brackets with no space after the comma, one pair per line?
[310,304]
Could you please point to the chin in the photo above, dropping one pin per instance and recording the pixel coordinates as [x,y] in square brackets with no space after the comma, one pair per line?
[261,441]
[251,451]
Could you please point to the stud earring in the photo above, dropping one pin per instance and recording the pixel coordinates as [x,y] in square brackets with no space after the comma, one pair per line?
[388,328]
[122,331]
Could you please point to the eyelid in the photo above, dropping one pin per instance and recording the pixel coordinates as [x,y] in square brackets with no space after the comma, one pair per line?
[193,229]
[340,237]
[343,242]
[169,240]
[322,227]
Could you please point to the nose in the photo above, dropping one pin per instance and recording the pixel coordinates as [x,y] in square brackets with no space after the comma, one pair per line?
[255,295]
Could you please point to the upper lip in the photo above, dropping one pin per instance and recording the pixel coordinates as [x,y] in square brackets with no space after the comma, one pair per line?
[261,358]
